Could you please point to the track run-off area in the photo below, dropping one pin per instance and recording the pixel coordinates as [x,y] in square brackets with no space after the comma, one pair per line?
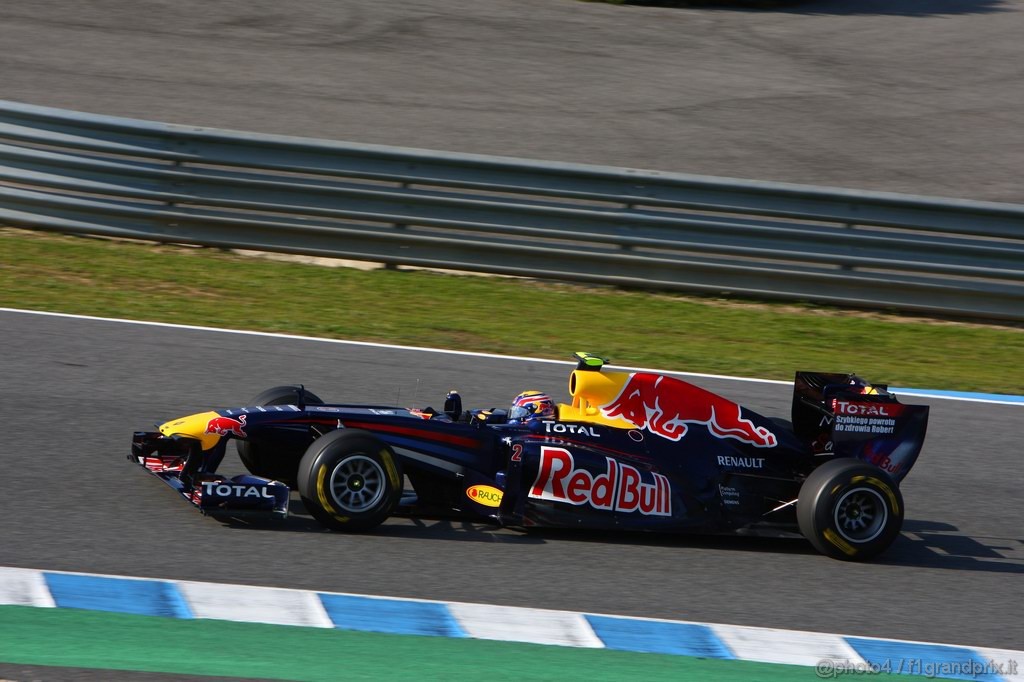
[76,388]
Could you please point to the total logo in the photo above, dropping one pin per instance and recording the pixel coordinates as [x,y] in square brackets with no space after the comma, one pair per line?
[577,429]
[225,490]
[864,409]
[620,488]
[488,496]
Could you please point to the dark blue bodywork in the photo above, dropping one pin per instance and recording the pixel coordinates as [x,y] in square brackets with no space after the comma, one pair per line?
[692,473]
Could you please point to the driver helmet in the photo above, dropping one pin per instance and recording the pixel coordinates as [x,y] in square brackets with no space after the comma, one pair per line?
[531,405]
[863,387]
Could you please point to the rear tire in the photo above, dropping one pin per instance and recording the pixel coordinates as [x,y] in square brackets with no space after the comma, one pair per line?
[349,480]
[268,459]
[849,509]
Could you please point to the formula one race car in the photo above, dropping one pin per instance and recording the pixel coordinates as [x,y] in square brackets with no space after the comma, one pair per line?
[634,450]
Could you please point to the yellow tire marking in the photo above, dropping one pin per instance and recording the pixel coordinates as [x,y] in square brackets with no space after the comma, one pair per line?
[321,494]
[839,542]
[389,464]
[885,489]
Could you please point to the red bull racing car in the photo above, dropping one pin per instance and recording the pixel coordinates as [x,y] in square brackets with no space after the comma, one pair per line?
[633,450]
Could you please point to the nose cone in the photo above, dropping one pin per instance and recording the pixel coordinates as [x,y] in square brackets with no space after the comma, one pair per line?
[194,426]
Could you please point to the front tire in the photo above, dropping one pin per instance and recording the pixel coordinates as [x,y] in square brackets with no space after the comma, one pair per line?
[349,480]
[268,458]
[849,509]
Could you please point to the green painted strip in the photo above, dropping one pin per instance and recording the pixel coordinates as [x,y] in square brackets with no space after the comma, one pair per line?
[113,641]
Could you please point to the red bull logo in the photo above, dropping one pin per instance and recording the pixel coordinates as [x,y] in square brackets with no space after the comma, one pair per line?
[667,406]
[223,426]
[620,488]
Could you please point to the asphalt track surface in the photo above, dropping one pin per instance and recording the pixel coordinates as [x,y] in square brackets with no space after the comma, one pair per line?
[74,390]
[918,96]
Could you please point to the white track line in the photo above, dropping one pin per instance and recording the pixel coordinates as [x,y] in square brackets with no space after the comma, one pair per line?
[255,604]
[785,646]
[517,624]
[982,398]
[24,587]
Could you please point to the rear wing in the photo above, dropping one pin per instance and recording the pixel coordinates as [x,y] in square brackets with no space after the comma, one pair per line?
[843,415]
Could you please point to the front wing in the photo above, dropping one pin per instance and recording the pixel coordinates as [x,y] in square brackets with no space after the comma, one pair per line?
[182,464]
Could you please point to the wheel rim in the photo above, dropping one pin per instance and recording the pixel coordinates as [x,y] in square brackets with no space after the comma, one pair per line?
[357,484]
[861,515]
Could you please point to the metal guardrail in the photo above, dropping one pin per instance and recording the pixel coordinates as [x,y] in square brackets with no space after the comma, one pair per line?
[83,173]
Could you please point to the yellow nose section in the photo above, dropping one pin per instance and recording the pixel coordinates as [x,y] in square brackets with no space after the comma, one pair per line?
[202,426]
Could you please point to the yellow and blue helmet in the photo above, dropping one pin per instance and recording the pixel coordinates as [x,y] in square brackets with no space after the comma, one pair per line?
[531,405]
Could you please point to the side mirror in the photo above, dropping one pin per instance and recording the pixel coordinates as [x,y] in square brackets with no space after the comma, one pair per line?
[453,405]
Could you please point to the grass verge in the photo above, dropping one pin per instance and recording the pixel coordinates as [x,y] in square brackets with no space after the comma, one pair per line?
[198,286]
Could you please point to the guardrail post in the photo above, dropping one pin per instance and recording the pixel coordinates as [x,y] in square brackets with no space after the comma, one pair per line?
[848,226]
[625,246]
[397,226]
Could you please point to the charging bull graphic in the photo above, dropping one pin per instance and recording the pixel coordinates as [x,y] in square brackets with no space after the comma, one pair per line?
[223,426]
[667,406]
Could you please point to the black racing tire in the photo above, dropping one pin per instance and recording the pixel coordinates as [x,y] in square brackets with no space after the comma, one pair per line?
[268,459]
[849,509]
[349,480]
